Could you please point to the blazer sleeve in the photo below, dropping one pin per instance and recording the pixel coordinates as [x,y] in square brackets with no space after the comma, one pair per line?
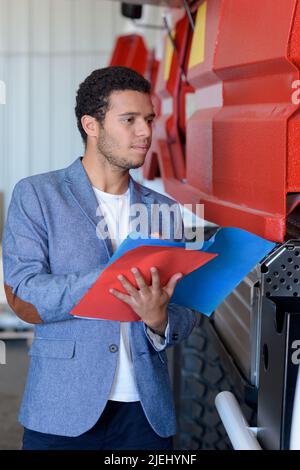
[32,292]
[181,322]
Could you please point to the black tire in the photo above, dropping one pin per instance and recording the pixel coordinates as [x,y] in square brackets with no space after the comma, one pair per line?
[198,377]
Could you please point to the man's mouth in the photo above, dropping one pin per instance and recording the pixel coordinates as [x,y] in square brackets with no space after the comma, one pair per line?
[140,147]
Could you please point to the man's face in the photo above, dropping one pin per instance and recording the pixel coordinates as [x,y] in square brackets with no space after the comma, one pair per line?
[125,135]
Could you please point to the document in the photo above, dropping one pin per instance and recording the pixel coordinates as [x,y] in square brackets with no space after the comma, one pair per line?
[209,274]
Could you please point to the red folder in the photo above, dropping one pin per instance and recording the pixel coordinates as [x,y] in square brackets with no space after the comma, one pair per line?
[98,302]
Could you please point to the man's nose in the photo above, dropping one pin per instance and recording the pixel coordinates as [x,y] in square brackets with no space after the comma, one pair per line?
[144,129]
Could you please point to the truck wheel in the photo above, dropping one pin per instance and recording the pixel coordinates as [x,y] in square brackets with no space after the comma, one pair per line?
[198,377]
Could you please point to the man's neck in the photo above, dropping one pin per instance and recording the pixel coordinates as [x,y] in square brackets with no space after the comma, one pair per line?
[103,176]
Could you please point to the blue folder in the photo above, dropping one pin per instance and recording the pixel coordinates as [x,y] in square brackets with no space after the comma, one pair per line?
[205,288]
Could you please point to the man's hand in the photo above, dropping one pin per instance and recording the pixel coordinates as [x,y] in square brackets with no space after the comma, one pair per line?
[149,302]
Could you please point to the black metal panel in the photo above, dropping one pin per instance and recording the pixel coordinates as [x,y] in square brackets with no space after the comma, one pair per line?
[280,328]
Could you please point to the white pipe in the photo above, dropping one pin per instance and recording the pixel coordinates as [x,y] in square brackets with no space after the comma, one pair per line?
[240,434]
[295,428]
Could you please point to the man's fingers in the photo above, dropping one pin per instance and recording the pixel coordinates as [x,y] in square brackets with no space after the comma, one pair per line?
[139,279]
[155,278]
[128,286]
[169,288]
[125,298]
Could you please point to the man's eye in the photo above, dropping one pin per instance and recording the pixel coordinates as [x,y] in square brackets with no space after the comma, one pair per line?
[131,119]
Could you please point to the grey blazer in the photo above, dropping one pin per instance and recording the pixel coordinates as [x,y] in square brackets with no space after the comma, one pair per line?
[51,257]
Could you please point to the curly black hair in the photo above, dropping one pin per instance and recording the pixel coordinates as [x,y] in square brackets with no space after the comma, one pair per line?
[93,93]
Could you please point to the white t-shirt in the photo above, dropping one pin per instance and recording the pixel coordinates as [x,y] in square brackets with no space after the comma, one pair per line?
[115,209]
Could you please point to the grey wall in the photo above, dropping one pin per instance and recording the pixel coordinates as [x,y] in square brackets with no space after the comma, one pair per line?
[46,48]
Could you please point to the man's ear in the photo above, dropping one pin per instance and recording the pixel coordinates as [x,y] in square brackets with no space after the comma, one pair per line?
[90,125]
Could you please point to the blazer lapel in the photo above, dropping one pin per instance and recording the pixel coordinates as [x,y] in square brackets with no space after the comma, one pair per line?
[83,193]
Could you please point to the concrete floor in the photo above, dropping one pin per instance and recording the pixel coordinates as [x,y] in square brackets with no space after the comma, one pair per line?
[12,381]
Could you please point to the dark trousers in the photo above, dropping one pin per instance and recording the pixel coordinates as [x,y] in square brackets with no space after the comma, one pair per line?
[122,426]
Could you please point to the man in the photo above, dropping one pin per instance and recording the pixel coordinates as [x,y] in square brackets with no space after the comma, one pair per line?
[92,384]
